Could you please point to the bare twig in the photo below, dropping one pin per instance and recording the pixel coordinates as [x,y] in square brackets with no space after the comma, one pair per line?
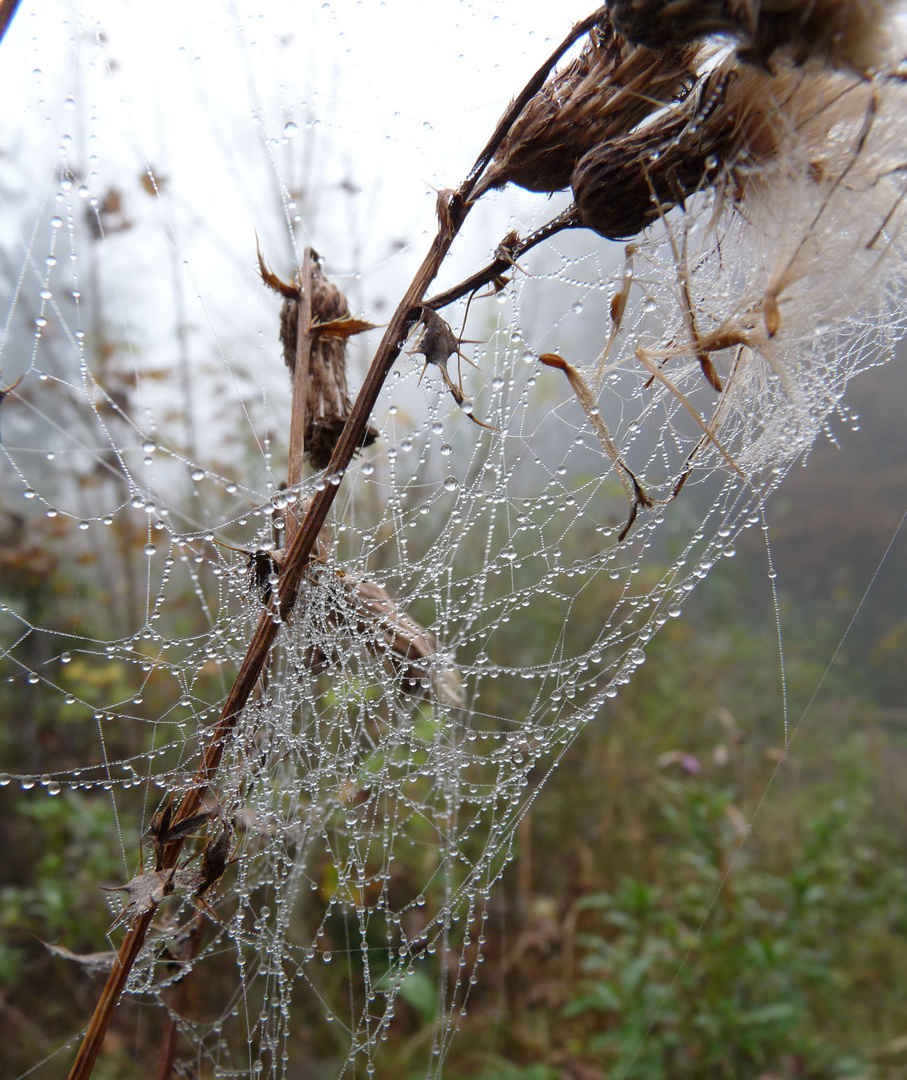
[452,210]
[508,251]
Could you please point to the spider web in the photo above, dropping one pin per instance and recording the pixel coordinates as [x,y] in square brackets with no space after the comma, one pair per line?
[367,801]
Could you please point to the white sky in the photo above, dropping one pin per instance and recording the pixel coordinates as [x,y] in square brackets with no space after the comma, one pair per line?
[389,99]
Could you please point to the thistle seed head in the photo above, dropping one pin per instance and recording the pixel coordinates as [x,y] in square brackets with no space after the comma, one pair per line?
[850,34]
[327,402]
[737,120]
[607,90]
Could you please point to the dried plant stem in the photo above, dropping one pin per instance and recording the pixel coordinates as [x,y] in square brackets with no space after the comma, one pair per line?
[304,342]
[633,489]
[506,258]
[171,1030]
[7,11]
[452,210]
[643,357]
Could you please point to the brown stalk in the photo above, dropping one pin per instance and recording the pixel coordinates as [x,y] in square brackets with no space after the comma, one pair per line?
[7,11]
[505,258]
[296,449]
[452,210]
[304,340]
[178,1003]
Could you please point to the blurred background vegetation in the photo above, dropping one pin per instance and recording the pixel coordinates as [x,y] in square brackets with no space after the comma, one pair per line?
[688,898]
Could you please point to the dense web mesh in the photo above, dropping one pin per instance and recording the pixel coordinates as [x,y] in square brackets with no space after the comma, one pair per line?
[367,799]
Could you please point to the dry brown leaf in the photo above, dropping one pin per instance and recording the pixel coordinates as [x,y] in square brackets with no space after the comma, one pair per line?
[343,328]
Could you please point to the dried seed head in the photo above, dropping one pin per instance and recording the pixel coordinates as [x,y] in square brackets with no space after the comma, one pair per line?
[851,34]
[625,184]
[328,303]
[327,396]
[737,120]
[606,91]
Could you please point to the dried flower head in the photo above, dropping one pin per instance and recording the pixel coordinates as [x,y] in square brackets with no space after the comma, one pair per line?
[327,403]
[623,185]
[738,119]
[841,33]
[606,91]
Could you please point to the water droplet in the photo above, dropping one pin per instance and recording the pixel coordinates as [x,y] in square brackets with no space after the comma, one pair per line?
[450,484]
[445,449]
[197,474]
[56,222]
[290,129]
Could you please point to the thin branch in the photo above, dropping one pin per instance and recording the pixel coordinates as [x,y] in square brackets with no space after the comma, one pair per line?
[452,210]
[506,257]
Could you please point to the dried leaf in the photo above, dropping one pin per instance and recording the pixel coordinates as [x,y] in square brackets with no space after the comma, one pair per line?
[327,401]
[635,492]
[272,280]
[145,892]
[93,961]
[408,648]
[438,343]
[342,328]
